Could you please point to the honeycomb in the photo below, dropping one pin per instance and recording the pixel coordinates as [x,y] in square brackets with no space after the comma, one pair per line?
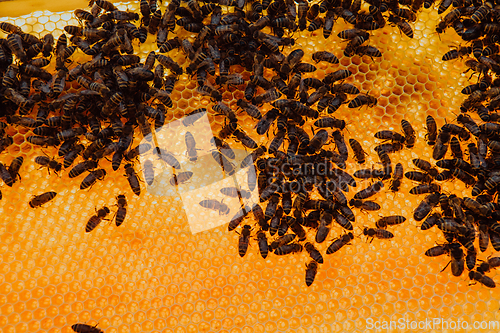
[153,274]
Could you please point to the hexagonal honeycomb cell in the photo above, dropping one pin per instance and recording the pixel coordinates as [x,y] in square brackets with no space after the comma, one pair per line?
[152,274]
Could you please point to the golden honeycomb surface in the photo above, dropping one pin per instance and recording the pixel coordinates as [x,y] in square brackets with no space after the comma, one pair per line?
[153,275]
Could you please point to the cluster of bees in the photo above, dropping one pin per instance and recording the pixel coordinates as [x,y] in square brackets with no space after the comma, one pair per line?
[301,188]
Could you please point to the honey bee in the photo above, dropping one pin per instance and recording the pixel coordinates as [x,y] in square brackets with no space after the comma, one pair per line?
[94,221]
[246,140]
[133,179]
[364,205]
[325,56]
[252,110]
[167,157]
[481,278]
[425,188]
[410,136]
[266,97]
[377,233]
[313,252]
[191,147]
[361,100]
[10,28]
[14,168]
[38,200]
[84,328]
[383,222]
[92,178]
[149,172]
[288,249]
[311,271]
[339,243]
[424,208]
[324,227]
[341,74]
[48,163]
[425,166]
[359,153]
[227,166]
[121,202]
[216,205]
[244,240]
[81,168]
[369,191]
[181,178]
[234,192]
[403,26]
[263,244]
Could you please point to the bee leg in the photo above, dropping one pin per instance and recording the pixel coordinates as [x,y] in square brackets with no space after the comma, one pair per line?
[446,266]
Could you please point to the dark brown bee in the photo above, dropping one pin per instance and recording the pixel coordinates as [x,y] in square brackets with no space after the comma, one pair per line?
[369,191]
[364,205]
[238,218]
[377,233]
[81,168]
[39,200]
[481,278]
[409,133]
[330,122]
[5,175]
[425,188]
[227,166]
[121,202]
[390,135]
[418,176]
[211,92]
[167,157]
[336,76]
[234,192]
[464,176]
[181,178]
[133,179]
[361,100]
[425,166]
[190,118]
[94,221]
[491,263]
[324,227]
[431,221]
[288,249]
[403,26]
[424,208]
[339,243]
[246,140]
[313,252]
[191,147]
[14,168]
[325,56]
[455,147]
[92,178]
[213,204]
[84,328]
[383,222]
[149,172]
[48,163]
[311,271]
[250,109]
[263,244]
[244,240]
[319,139]
[359,153]
[439,250]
